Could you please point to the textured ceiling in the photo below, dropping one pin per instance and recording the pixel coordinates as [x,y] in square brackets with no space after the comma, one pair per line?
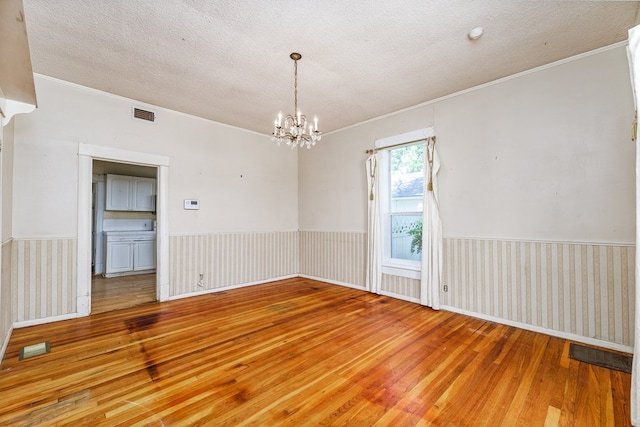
[228,60]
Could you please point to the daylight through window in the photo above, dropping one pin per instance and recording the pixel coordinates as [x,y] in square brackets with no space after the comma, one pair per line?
[406,187]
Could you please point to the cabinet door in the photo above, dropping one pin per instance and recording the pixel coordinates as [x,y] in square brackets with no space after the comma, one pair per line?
[119,257]
[144,257]
[119,193]
[144,194]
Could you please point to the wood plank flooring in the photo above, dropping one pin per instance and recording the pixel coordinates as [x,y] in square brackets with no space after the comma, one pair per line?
[302,353]
[121,292]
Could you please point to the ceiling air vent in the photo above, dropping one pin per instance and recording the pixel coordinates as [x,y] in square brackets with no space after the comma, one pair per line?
[149,116]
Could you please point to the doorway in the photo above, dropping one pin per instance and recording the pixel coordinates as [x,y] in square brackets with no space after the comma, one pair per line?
[86,155]
[123,242]
[108,294]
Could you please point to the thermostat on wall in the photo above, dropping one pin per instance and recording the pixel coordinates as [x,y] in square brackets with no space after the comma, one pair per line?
[191,204]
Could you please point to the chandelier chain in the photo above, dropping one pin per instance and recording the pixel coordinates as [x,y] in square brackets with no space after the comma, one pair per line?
[295,86]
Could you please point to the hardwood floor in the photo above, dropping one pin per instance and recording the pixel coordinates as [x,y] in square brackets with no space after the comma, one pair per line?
[302,353]
[121,292]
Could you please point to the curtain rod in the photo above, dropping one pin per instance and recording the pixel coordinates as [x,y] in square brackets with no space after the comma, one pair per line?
[375,150]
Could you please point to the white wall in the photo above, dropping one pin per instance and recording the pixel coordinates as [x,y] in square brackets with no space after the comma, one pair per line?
[7,182]
[243,181]
[542,156]
[247,188]
[6,307]
[545,156]
[536,192]
[332,179]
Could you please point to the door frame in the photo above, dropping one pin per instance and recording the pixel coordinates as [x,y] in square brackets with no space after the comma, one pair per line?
[86,154]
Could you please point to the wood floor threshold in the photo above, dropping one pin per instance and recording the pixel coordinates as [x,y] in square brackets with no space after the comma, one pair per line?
[304,353]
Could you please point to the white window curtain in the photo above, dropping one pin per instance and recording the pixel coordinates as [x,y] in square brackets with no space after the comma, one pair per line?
[634,66]
[431,274]
[374,236]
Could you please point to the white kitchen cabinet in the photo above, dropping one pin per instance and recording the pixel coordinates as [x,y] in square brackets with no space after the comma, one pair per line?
[144,194]
[129,252]
[144,255]
[119,193]
[130,193]
[119,257]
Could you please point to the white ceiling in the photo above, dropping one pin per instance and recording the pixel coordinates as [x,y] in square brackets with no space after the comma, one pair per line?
[228,60]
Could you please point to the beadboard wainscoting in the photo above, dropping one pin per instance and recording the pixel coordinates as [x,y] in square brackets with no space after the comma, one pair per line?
[579,289]
[338,257]
[575,288]
[43,278]
[6,300]
[401,287]
[229,259]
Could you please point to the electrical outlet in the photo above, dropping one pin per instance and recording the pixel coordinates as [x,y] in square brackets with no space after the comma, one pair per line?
[446,288]
[201,281]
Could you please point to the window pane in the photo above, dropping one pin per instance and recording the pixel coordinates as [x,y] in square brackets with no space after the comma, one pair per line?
[407,178]
[406,235]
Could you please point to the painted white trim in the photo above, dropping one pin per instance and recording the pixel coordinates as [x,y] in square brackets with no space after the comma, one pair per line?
[333,282]
[86,154]
[333,231]
[228,288]
[502,239]
[484,85]
[215,233]
[553,242]
[218,233]
[401,271]
[400,297]
[525,326]
[43,239]
[83,276]
[34,322]
[414,135]
[162,234]
[12,107]
[433,101]
[100,152]
[545,331]
[5,343]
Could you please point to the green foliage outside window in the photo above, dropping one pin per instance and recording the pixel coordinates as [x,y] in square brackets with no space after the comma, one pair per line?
[416,238]
[408,159]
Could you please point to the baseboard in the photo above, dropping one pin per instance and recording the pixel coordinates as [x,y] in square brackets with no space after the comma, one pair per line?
[400,297]
[333,282]
[34,322]
[545,331]
[128,273]
[559,334]
[228,288]
[538,329]
[5,344]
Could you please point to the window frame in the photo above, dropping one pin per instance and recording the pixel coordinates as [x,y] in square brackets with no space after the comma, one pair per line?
[395,266]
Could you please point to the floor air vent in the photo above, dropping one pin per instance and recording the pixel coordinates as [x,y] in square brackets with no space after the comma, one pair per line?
[149,116]
[598,357]
[34,350]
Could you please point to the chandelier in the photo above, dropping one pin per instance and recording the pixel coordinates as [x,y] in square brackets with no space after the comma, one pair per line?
[295,131]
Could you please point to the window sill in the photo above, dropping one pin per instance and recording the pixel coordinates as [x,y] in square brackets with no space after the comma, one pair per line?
[409,270]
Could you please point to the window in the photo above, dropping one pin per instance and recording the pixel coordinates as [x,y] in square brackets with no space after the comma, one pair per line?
[402,189]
